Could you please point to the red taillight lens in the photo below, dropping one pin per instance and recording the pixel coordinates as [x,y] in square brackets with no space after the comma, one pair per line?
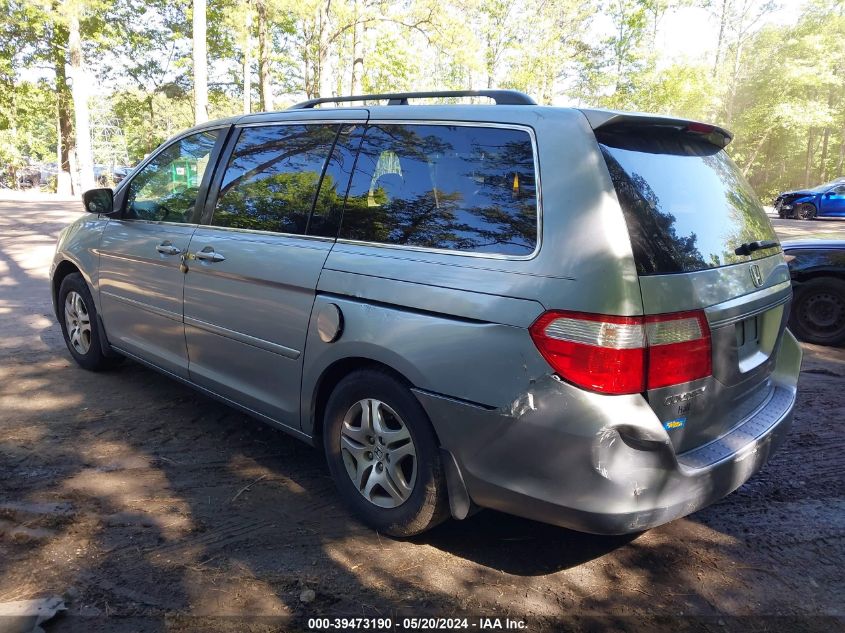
[596,352]
[678,348]
[620,355]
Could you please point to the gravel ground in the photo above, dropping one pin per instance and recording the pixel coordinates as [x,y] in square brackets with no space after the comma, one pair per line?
[139,499]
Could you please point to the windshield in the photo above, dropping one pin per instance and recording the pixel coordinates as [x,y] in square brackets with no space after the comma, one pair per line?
[686,203]
[826,186]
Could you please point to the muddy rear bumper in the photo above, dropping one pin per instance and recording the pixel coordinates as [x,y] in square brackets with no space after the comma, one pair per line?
[604,464]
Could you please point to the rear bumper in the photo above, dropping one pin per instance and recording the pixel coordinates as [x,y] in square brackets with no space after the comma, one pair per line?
[604,464]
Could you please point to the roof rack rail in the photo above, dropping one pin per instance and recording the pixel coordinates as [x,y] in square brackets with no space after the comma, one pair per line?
[501,97]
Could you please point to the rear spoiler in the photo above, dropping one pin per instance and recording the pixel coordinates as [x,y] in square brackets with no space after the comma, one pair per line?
[609,119]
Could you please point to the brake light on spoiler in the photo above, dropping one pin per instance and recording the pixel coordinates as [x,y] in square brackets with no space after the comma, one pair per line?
[624,355]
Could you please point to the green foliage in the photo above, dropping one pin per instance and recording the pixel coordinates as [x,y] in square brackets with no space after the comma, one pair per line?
[25,138]
[780,89]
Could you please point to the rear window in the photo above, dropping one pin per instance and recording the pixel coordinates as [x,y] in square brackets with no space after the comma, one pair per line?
[456,187]
[686,203]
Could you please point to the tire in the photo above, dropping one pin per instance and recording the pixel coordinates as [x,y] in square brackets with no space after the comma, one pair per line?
[78,320]
[353,450]
[805,211]
[818,311]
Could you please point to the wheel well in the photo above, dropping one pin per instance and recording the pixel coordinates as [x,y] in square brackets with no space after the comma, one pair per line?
[805,277]
[336,372]
[64,269]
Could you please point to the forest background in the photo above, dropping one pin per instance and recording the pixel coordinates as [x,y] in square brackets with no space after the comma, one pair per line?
[89,85]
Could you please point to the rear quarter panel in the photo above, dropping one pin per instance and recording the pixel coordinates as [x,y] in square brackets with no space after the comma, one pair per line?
[455,324]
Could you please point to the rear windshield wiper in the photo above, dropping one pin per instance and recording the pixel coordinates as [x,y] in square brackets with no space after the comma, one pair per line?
[750,247]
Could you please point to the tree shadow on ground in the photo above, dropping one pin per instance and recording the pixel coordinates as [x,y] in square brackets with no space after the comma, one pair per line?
[152,501]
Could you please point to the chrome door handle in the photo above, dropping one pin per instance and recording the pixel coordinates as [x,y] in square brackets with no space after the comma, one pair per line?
[208,255]
[166,248]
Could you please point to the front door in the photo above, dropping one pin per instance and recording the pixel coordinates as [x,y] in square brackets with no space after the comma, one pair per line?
[833,202]
[269,225]
[140,280]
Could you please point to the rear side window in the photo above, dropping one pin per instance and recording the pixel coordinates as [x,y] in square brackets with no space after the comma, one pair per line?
[328,206]
[272,178]
[686,203]
[460,188]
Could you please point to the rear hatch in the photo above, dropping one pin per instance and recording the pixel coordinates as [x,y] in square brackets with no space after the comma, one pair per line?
[701,243]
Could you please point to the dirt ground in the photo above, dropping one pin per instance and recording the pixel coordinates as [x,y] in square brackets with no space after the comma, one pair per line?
[139,499]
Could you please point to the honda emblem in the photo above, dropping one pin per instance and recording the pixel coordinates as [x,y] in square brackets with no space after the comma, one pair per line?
[756,275]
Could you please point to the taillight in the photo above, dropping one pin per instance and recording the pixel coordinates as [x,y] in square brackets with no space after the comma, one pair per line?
[678,348]
[621,355]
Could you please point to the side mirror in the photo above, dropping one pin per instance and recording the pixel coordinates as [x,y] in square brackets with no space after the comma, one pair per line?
[829,194]
[98,201]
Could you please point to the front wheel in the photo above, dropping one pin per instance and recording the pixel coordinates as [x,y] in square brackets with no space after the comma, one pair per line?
[383,455]
[818,311]
[78,320]
[805,211]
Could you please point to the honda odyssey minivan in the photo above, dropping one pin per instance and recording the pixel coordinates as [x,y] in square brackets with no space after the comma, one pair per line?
[572,315]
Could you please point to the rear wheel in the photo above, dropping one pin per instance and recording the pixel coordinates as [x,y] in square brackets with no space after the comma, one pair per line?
[818,312]
[383,455]
[805,211]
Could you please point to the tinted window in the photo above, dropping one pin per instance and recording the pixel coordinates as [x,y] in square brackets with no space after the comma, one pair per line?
[166,189]
[451,187]
[329,204]
[686,204]
[272,177]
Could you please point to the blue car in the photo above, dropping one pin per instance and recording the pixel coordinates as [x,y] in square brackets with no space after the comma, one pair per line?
[824,201]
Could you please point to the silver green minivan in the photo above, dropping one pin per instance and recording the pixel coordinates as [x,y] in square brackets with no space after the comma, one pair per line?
[576,316]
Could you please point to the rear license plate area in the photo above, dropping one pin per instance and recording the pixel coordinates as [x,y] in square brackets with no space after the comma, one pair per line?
[748,334]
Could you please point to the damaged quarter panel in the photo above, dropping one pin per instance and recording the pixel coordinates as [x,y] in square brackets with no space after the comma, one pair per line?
[490,364]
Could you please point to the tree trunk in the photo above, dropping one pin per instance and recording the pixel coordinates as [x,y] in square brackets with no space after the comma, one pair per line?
[357,53]
[150,129]
[80,91]
[723,18]
[809,160]
[265,88]
[247,70]
[200,63]
[756,151]
[64,145]
[729,115]
[323,66]
[841,162]
[823,166]
[490,61]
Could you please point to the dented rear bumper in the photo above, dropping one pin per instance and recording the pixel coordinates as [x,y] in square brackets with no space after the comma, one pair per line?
[603,464]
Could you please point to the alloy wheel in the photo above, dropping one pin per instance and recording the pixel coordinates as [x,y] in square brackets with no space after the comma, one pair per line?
[77,322]
[806,211]
[378,452]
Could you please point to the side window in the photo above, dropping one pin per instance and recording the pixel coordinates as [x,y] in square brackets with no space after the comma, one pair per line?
[329,204]
[166,189]
[462,188]
[839,191]
[272,177]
